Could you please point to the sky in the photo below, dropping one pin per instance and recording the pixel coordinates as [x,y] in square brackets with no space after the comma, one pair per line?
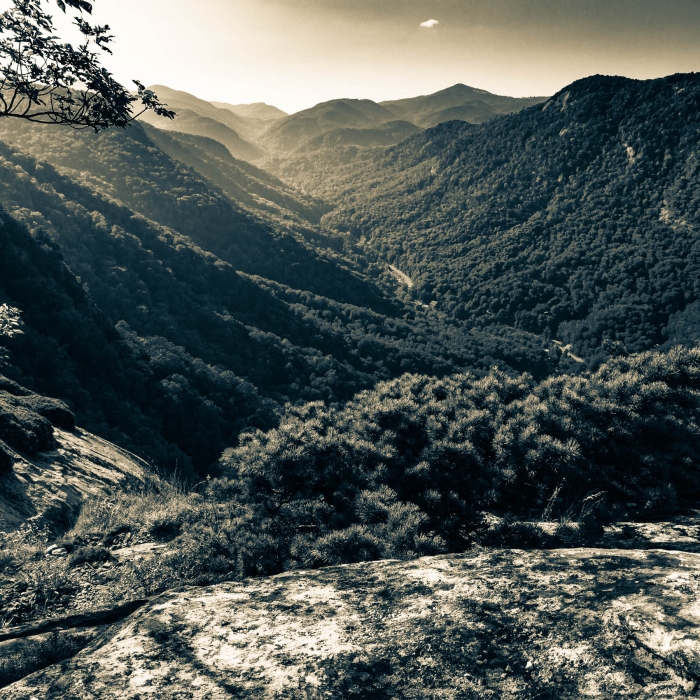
[296,53]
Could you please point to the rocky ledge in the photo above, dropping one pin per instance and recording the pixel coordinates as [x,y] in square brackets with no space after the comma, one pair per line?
[52,484]
[570,623]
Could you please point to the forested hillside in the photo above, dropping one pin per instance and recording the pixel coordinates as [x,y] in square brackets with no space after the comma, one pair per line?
[546,241]
[172,350]
[385,135]
[244,183]
[201,118]
[190,122]
[127,166]
[576,219]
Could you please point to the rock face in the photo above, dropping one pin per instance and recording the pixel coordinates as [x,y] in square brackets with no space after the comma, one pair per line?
[503,624]
[53,483]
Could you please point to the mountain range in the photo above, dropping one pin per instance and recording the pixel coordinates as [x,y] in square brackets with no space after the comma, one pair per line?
[547,240]
[251,132]
[356,332]
[459,102]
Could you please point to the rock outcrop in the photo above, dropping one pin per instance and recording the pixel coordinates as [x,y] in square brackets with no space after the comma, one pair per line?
[502,624]
[53,483]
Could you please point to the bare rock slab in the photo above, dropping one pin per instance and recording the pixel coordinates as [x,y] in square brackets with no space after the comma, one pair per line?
[82,466]
[575,623]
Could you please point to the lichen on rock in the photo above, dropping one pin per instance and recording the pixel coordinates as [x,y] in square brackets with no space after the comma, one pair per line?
[504,624]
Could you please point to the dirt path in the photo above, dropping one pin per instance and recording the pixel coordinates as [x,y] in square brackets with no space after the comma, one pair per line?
[401,276]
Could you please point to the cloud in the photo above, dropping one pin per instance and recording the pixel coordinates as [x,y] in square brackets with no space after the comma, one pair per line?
[429,24]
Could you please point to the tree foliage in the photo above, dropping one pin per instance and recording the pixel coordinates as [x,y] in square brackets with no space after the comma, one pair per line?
[46,80]
[412,465]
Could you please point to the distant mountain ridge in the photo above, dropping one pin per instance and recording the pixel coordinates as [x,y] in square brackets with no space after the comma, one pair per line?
[305,129]
[290,132]
[253,132]
[256,110]
[246,127]
[201,118]
[457,102]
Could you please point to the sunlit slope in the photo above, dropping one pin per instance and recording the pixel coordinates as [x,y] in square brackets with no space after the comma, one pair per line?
[243,182]
[190,122]
[127,166]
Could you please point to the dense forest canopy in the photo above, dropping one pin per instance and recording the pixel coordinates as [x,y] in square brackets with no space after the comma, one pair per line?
[192,346]
[575,219]
[182,301]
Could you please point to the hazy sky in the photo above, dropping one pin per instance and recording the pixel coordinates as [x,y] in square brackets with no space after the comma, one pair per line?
[295,53]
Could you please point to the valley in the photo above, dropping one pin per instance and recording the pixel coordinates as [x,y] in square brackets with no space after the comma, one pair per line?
[449,340]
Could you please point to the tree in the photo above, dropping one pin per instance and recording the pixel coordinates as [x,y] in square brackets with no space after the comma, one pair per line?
[45,80]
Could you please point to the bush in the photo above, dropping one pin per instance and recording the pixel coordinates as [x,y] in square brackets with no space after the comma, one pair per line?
[440,452]
[89,555]
[22,429]
[354,544]
[55,411]
[517,534]
[7,561]
[6,458]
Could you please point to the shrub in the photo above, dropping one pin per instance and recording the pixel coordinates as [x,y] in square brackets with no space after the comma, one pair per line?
[354,544]
[6,458]
[517,534]
[443,451]
[22,429]
[55,411]
[7,561]
[89,555]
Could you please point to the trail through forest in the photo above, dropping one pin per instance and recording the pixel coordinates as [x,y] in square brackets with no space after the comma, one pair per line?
[401,276]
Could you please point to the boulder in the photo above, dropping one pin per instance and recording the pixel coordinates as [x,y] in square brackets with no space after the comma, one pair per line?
[486,624]
[53,484]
